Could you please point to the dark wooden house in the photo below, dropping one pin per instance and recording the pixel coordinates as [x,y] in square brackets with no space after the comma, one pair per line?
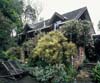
[53,23]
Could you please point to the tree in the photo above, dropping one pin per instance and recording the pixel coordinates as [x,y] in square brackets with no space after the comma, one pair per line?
[5,31]
[77,31]
[54,48]
[31,12]
[12,9]
[10,18]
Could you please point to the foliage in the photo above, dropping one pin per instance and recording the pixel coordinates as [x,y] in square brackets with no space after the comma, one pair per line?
[10,19]
[97,45]
[27,47]
[77,31]
[30,13]
[3,55]
[71,72]
[52,73]
[50,61]
[54,48]
[5,31]
[96,72]
[12,9]
[31,44]
[90,52]
[13,53]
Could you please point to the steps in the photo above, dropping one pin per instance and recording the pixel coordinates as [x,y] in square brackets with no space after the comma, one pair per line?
[85,73]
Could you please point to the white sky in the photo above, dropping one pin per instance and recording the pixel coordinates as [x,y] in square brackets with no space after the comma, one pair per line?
[64,6]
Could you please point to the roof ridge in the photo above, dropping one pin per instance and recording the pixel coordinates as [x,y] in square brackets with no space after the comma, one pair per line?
[80,13]
[60,15]
[76,10]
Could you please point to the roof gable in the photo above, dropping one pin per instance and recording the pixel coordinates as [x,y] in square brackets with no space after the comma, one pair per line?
[76,14]
[27,28]
[56,17]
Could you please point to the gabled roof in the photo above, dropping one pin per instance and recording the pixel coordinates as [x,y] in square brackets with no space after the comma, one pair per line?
[61,17]
[76,14]
[27,28]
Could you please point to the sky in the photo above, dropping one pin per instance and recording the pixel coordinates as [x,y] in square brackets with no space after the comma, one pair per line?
[64,6]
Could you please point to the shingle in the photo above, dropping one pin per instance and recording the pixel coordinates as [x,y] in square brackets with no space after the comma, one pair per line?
[74,14]
[39,25]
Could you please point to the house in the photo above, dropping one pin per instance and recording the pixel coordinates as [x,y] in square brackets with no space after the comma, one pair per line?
[30,30]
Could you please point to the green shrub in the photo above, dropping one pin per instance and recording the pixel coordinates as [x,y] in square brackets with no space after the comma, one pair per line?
[77,31]
[50,74]
[51,59]
[54,48]
[96,72]
[13,53]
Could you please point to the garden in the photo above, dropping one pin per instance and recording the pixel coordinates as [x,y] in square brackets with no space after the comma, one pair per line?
[54,57]
[65,55]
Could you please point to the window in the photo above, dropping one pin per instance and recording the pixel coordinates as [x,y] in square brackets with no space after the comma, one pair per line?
[56,25]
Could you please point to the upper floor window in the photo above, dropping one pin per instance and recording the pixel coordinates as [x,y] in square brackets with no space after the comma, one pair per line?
[56,25]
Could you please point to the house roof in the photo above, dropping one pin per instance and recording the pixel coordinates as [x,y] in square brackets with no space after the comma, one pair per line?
[76,14]
[58,15]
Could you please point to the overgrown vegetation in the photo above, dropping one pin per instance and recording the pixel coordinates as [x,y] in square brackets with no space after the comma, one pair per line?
[48,57]
[53,47]
[96,72]
[12,9]
[77,31]
[51,58]
[10,19]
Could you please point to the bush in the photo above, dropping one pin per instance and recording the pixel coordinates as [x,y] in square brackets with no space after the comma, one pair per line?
[50,74]
[3,55]
[54,48]
[96,72]
[13,53]
[51,59]
[77,31]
